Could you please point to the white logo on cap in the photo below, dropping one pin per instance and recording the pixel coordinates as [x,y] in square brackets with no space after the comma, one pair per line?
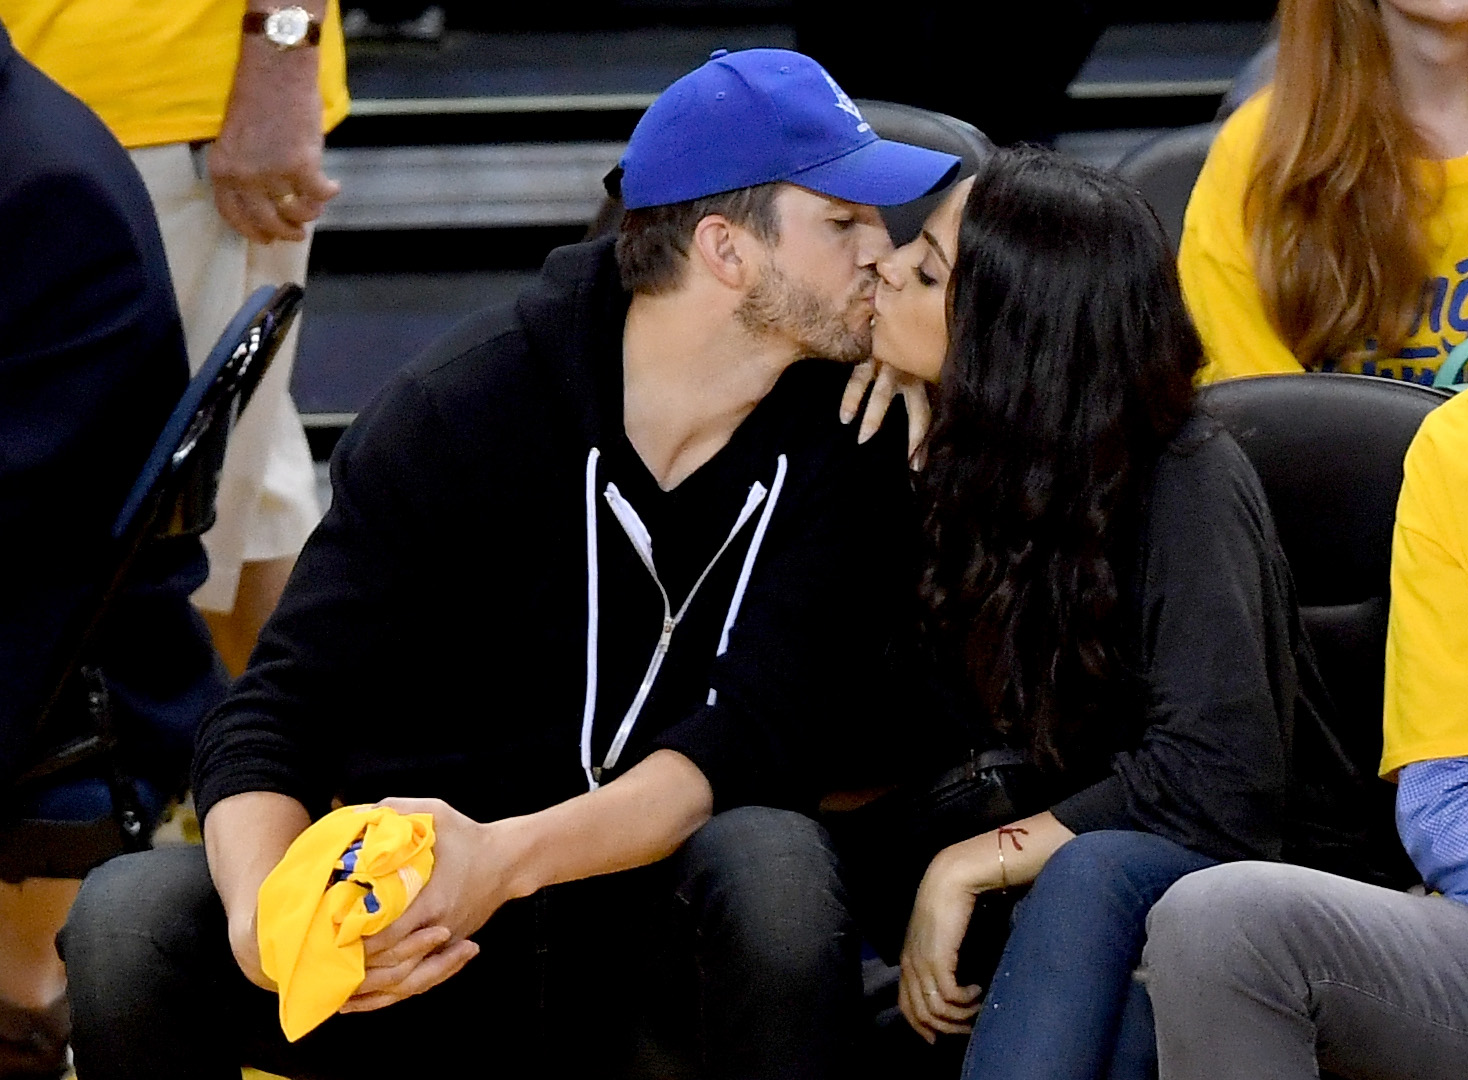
[846,105]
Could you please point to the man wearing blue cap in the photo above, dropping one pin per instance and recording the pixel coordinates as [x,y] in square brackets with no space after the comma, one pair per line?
[640,481]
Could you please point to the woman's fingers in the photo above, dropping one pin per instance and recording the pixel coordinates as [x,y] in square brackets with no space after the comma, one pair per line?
[960,996]
[883,389]
[909,1002]
[856,388]
[919,416]
[951,1012]
[929,1012]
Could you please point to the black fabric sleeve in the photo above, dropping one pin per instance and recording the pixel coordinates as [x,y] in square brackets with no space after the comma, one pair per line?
[343,649]
[1210,771]
[824,593]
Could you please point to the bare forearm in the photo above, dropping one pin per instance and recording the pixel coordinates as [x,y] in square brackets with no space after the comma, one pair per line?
[637,819]
[1027,845]
[266,164]
[244,837]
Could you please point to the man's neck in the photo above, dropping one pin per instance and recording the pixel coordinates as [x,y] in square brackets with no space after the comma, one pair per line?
[690,376]
[1430,72]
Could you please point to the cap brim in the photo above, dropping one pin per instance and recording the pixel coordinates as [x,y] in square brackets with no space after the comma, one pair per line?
[881,173]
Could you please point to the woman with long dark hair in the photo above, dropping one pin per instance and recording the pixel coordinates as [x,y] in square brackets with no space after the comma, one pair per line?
[1328,229]
[1102,583]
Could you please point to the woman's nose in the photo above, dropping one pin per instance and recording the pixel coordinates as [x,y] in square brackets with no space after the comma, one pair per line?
[887,270]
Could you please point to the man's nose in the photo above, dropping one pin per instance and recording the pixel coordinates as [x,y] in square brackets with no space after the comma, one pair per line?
[875,243]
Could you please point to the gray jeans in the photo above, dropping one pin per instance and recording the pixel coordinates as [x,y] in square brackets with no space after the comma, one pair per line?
[1260,971]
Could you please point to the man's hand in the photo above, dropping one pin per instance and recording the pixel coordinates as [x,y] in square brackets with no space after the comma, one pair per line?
[429,942]
[888,382]
[636,819]
[266,163]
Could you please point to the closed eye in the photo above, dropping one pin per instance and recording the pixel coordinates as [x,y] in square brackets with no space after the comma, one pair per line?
[925,279]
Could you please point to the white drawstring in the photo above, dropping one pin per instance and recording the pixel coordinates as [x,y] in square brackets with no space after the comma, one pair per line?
[641,541]
[754,545]
[749,557]
[588,712]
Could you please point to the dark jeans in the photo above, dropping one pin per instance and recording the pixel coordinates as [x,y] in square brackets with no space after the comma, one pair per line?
[1064,1004]
[742,937]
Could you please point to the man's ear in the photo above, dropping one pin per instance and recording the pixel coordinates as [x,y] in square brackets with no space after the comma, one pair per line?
[724,250]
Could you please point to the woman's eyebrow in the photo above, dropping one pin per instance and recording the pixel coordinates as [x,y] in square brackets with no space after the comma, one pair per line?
[937,251]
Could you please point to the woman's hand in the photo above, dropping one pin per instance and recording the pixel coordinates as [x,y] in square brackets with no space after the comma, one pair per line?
[887,381]
[929,994]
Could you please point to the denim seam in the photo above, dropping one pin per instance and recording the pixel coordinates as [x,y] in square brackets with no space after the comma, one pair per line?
[1395,1006]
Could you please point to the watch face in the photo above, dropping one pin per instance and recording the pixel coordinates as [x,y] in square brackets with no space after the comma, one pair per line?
[288,26]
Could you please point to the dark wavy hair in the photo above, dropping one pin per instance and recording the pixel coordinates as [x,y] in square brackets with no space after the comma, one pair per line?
[1070,366]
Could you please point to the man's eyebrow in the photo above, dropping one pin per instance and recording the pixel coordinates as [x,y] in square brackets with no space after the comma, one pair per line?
[938,251]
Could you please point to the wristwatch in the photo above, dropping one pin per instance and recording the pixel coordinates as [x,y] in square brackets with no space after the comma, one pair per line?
[286,28]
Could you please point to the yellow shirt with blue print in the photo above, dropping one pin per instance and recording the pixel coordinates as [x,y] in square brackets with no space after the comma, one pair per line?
[1216,265]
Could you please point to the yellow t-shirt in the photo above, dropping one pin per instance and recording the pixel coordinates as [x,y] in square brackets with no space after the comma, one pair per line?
[1427,635]
[1215,262]
[155,72]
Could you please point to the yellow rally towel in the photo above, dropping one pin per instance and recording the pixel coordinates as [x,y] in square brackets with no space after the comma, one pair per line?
[348,875]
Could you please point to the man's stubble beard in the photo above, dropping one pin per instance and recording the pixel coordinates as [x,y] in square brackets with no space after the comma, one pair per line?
[779,304]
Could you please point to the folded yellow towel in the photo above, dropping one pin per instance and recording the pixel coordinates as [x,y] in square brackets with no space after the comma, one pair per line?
[349,875]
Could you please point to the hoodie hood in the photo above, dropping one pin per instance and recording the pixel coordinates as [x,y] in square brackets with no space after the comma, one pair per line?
[573,316]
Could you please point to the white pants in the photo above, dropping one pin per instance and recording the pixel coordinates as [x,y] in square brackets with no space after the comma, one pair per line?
[267,492]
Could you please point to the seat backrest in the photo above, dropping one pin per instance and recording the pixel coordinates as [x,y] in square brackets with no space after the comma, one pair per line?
[890,120]
[1164,169]
[182,461]
[1252,77]
[174,492]
[933,131]
[1328,450]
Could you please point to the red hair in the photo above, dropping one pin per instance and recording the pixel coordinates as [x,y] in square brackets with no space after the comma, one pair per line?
[1338,203]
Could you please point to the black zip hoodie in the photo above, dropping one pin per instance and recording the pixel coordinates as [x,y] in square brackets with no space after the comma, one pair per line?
[433,640]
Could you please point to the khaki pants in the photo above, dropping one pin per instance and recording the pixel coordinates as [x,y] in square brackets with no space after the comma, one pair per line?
[267,492]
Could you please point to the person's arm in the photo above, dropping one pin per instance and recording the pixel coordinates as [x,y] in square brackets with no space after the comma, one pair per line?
[1215,263]
[928,993]
[639,818]
[1432,820]
[266,162]
[1217,660]
[244,837]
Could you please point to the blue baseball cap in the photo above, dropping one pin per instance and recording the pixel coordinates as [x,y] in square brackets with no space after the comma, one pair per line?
[765,115]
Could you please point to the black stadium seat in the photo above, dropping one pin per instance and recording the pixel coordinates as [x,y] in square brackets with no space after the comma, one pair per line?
[1328,450]
[1164,170]
[934,130]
